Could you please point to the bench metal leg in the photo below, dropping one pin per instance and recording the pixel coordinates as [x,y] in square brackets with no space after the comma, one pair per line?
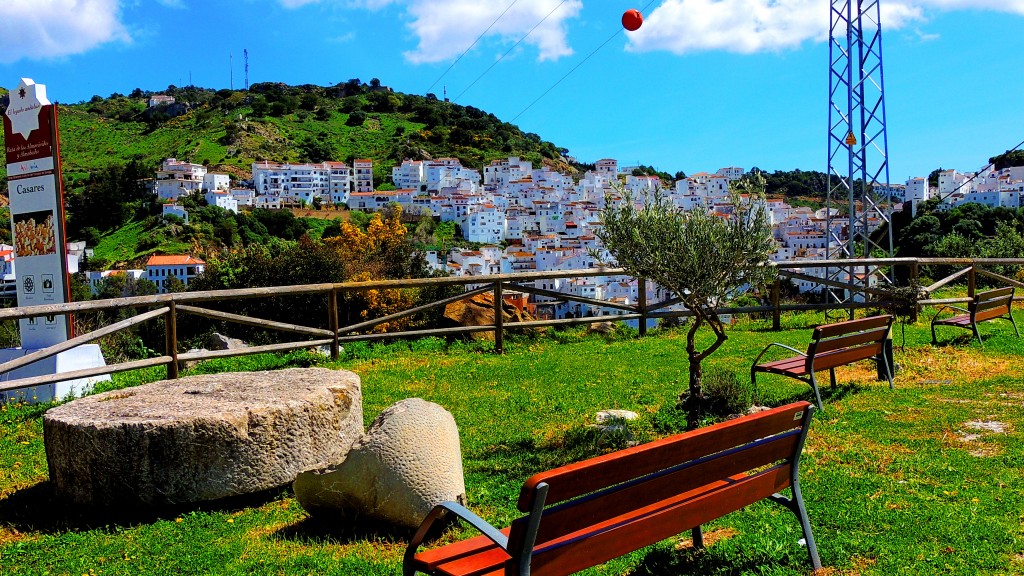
[817,395]
[889,369]
[832,378]
[805,524]
[697,535]
[1014,322]
[796,506]
[974,328]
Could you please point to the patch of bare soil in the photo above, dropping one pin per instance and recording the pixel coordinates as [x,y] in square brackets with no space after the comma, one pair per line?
[972,437]
[710,537]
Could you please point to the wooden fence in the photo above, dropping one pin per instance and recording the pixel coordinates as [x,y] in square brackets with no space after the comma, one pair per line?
[170,306]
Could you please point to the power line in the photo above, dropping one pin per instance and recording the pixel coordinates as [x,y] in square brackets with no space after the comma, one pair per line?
[507,52]
[978,173]
[581,63]
[482,34]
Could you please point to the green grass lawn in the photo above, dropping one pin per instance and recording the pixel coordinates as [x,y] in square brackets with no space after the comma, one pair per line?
[903,481]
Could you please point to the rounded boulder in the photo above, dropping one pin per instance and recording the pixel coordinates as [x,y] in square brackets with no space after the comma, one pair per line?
[408,461]
[201,437]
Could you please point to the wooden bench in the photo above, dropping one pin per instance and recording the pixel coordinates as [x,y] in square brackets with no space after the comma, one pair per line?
[832,345]
[585,514]
[989,305]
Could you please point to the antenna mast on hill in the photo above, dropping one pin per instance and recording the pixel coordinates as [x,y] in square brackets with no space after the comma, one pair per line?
[246,51]
[858,148]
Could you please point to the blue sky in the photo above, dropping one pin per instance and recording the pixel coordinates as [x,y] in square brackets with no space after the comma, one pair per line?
[702,85]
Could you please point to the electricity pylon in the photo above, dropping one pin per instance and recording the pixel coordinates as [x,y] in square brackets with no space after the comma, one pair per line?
[859,201]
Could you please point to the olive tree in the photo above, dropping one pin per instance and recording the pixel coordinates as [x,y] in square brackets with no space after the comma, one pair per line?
[703,258]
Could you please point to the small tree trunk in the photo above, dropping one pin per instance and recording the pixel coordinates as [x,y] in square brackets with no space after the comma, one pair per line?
[695,401]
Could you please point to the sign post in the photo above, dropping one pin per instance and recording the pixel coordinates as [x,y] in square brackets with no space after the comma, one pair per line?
[37,211]
[35,188]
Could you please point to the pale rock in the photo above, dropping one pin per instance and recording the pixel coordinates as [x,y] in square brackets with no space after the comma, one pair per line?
[408,461]
[218,341]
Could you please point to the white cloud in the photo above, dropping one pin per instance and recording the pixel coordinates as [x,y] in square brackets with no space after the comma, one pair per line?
[747,26]
[445,28]
[39,29]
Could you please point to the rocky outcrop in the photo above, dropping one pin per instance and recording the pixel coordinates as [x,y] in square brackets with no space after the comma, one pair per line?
[408,461]
[479,311]
[218,341]
[201,437]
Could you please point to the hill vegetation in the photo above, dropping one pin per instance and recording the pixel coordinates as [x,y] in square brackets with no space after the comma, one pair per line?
[228,130]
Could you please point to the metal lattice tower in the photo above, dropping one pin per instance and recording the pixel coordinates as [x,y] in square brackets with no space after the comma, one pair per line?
[858,147]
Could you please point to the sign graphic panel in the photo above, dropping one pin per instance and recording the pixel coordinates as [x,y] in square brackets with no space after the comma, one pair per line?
[37,217]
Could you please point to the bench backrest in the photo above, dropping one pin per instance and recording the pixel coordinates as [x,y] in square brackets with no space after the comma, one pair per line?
[990,304]
[723,461]
[845,342]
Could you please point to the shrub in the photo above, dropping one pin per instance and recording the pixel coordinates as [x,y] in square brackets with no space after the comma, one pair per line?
[725,394]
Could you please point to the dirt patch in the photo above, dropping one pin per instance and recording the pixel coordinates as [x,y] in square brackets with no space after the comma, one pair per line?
[710,537]
[860,566]
[988,426]
[973,436]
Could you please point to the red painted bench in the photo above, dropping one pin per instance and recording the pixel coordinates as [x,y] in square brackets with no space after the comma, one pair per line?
[587,513]
[989,305]
[832,345]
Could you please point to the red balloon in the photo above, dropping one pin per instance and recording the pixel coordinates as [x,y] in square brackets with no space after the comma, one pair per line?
[632,19]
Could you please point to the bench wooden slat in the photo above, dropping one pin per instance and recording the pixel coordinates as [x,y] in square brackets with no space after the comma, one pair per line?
[560,520]
[994,294]
[963,320]
[429,560]
[991,309]
[491,561]
[589,475]
[795,366]
[838,342]
[846,356]
[840,328]
[653,524]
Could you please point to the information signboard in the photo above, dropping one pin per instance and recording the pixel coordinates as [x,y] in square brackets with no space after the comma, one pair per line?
[37,211]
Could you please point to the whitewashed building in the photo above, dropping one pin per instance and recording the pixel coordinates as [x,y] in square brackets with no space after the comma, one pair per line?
[160,269]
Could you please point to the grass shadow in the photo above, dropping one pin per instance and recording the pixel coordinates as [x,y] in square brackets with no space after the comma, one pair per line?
[38,509]
[840,392]
[662,561]
[341,529]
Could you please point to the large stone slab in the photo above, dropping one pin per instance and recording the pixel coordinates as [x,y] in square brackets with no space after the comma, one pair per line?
[201,437]
[408,461]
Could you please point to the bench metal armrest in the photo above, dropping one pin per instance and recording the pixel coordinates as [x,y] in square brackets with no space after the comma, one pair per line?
[766,348]
[463,513]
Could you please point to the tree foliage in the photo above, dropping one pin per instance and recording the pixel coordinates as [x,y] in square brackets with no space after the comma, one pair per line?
[702,258]
[1008,159]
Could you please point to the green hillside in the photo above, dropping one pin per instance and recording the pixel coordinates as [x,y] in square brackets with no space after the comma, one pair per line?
[229,130]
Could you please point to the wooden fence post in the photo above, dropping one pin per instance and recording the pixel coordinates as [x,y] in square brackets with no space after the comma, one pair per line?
[641,303]
[915,273]
[171,341]
[776,305]
[972,280]
[499,320]
[332,319]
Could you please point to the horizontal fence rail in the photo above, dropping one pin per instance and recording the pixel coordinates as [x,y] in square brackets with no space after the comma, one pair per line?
[170,307]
